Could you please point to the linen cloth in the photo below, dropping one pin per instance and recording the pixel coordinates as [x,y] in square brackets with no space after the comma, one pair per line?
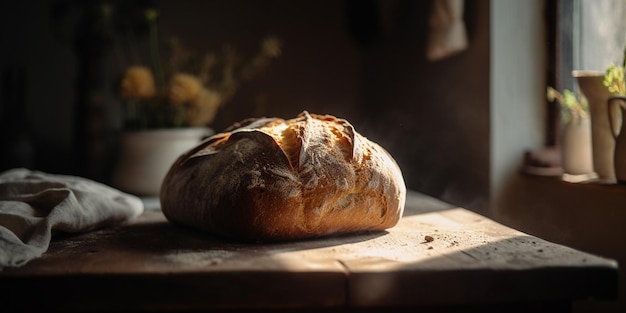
[34,205]
[447,34]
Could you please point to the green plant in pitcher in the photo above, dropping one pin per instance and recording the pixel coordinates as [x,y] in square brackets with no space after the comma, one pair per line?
[614,79]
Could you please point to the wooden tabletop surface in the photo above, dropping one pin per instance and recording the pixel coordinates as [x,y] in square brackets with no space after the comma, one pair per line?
[437,255]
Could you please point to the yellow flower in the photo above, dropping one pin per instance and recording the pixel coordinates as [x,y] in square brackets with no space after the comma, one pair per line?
[151,14]
[271,47]
[203,110]
[184,88]
[137,82]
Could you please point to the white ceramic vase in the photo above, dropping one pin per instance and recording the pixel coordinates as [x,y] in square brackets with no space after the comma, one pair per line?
[603,144]
[146,156]
[576,154]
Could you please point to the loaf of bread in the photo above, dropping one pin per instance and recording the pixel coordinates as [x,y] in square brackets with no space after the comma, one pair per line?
[270,179]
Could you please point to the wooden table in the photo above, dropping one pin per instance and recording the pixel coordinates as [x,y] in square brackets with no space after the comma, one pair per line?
[438,258]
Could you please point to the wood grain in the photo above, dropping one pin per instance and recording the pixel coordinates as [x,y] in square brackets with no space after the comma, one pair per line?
[467,259]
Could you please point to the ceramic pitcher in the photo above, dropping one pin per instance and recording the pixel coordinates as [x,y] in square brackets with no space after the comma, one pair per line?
[591,85]
[617,104]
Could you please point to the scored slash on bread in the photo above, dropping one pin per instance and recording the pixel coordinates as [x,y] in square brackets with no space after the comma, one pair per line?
[271,179]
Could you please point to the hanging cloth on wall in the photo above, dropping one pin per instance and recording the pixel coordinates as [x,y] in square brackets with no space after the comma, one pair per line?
[447,35]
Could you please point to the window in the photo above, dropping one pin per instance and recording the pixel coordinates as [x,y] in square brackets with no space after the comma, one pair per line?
[590,35]
[583,35]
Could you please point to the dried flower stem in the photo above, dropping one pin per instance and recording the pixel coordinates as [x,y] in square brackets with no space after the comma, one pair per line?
[151,16]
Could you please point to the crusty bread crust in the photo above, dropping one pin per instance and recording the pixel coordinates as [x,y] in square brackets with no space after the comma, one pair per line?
[271,179]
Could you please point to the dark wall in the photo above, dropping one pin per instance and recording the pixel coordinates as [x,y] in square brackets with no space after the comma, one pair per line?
[38,69]
[361,60]
[365,61]
[433,116]
[317,70]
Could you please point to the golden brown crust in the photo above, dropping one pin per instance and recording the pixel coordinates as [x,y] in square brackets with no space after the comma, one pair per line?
[275,179]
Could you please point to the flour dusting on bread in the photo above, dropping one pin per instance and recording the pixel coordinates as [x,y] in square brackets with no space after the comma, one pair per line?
[274,179]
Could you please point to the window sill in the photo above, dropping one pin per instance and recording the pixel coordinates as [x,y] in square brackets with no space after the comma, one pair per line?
[588,182]
[545,165]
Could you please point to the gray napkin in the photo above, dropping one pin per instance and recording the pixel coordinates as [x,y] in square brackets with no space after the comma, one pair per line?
[34,204]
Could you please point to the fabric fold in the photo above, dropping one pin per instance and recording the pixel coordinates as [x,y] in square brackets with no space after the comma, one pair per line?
[34,205]
[447,34]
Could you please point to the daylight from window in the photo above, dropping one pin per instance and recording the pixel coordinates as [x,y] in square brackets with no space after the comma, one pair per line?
[599,33]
